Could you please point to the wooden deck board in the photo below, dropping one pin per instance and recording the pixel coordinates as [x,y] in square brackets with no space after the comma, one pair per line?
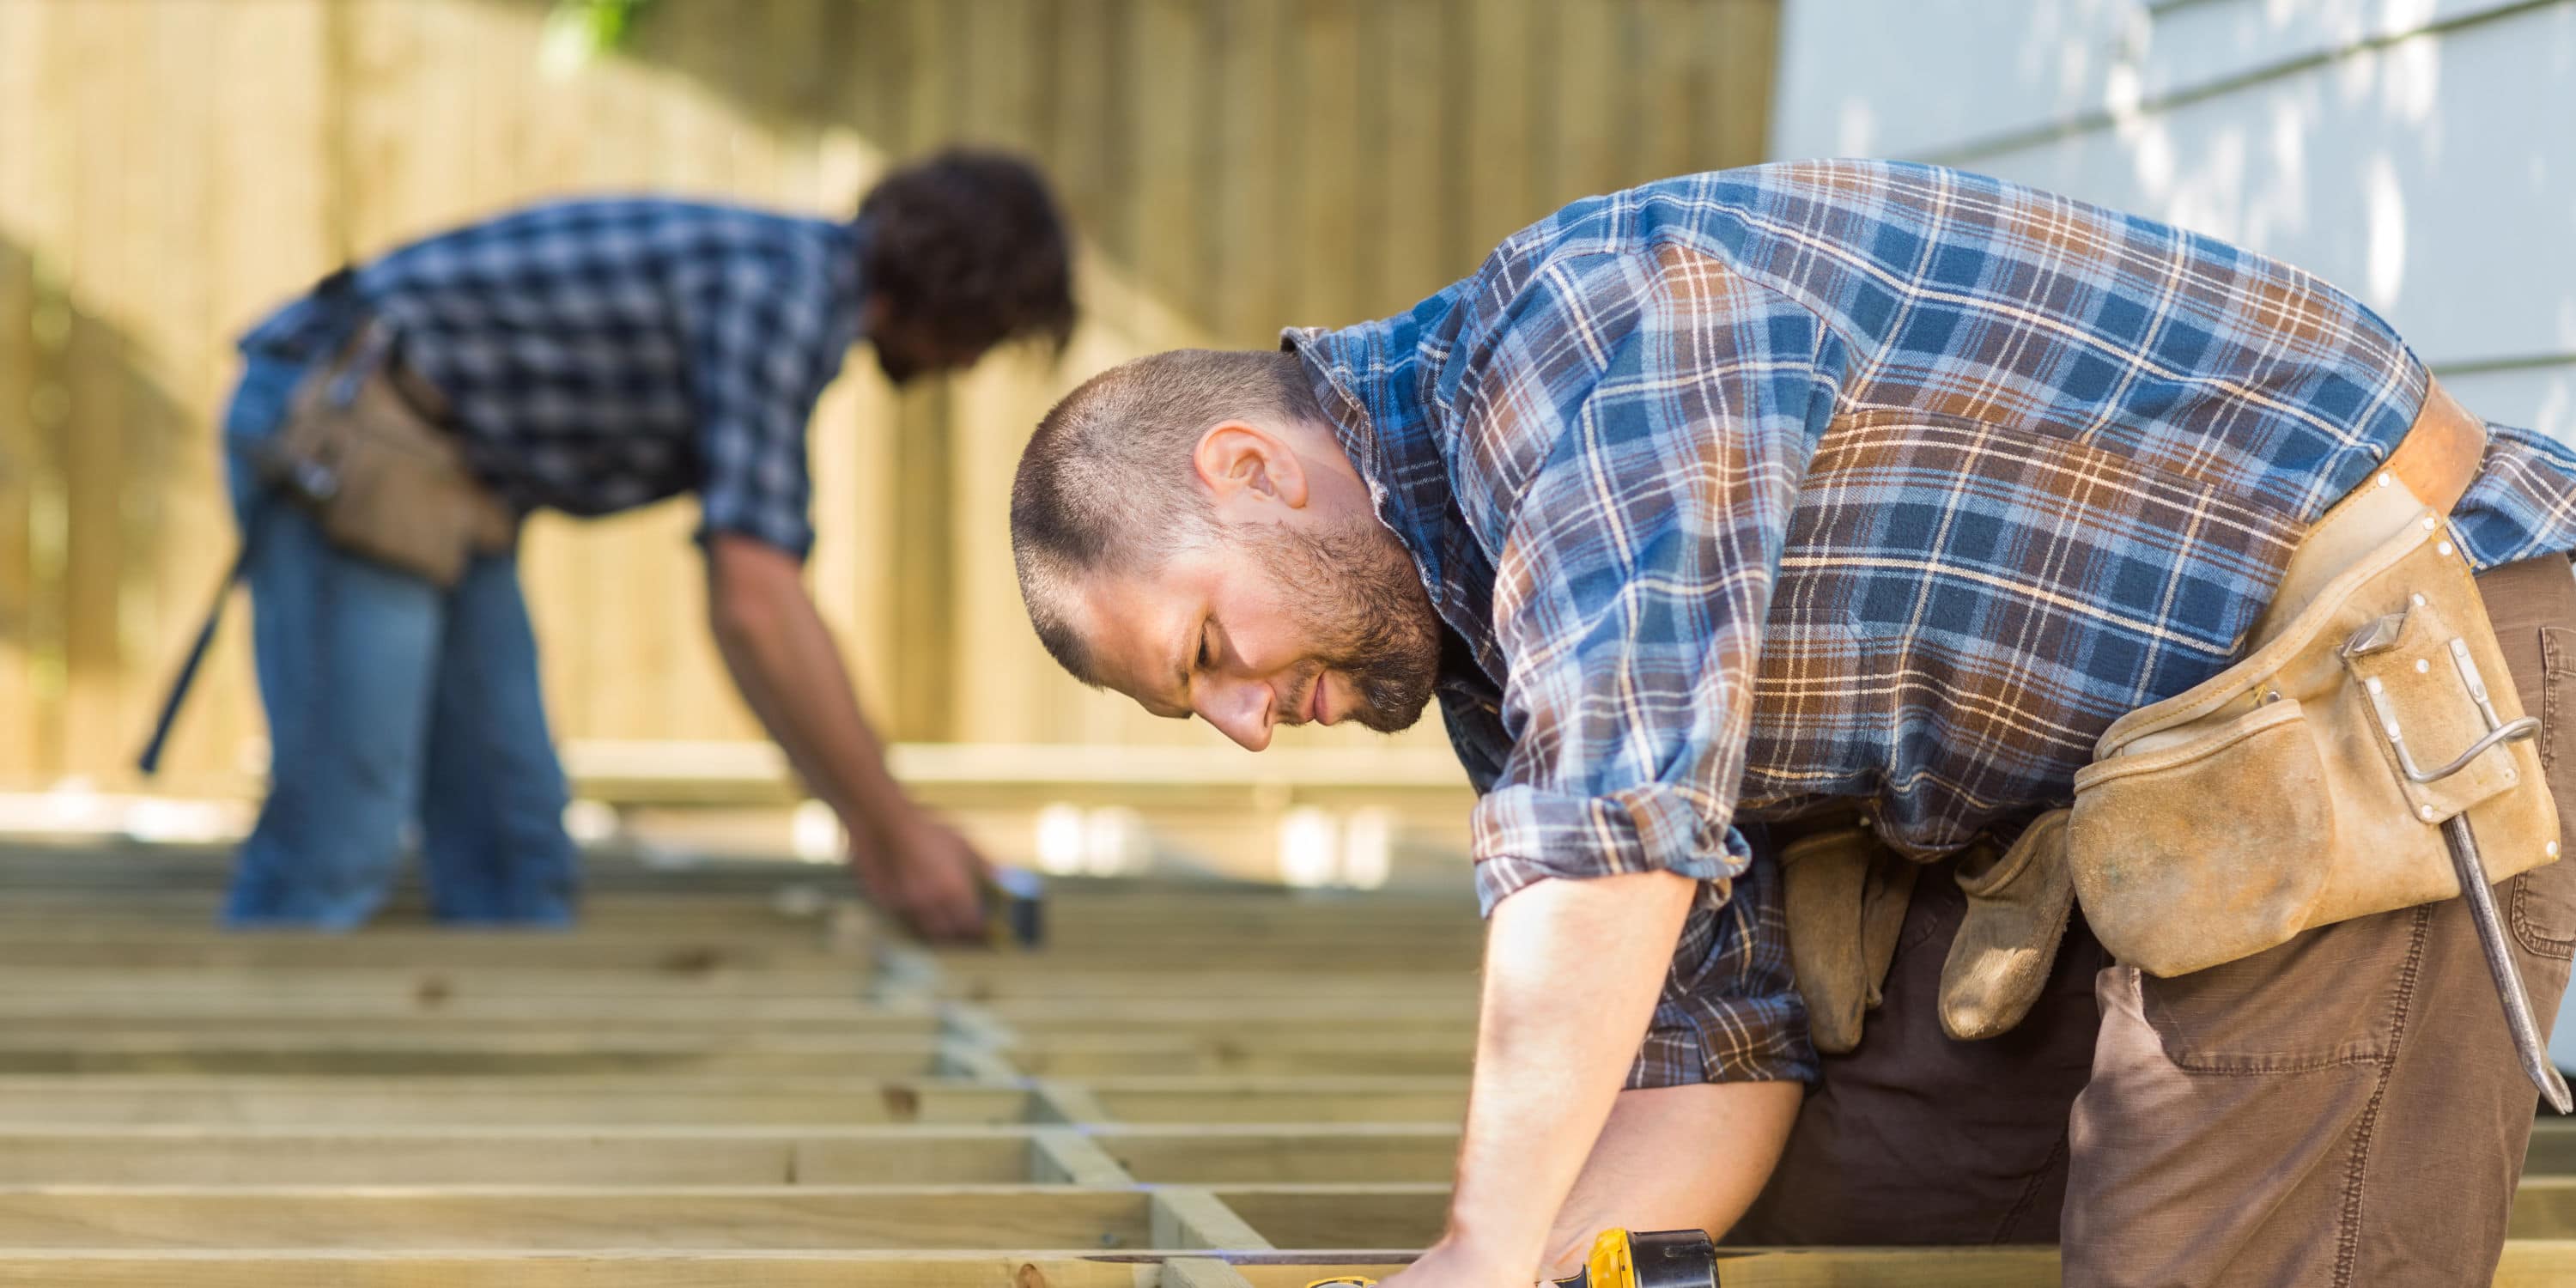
[714,1083]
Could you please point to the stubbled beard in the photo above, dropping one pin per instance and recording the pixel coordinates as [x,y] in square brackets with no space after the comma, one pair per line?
[1357,599]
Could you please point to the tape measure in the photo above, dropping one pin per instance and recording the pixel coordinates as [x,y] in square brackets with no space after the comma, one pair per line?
[1621,1259]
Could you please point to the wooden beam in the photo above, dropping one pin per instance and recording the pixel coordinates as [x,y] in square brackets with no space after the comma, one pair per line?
[997,1218]
[1342,1216]
[1065,1055]
[435,1009]
[468,1102]
[630,1156]
[1200,1272]
[1185,1217]
[657,953]
[682,978]
[2544,1208]
[1063,1155]
[27,1051]
[1209,1154]
[623,1268]
[2527,1264]
[1316,1099]
[2552,1151]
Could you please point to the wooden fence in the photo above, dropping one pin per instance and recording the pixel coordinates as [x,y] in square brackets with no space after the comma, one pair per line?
[170,168]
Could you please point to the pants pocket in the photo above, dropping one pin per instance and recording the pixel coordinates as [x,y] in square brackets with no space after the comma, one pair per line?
[2330,996]
[2542,904]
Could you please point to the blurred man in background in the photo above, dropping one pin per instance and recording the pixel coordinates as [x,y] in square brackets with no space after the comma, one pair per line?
[393,427]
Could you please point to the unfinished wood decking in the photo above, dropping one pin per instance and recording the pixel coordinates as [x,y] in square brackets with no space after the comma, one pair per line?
[722,1081]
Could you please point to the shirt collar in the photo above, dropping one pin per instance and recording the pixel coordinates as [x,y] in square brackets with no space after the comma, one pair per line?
[1385,388]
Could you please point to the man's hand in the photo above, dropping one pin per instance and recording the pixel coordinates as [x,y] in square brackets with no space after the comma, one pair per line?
[923,871]
[783,659]
[1572,970]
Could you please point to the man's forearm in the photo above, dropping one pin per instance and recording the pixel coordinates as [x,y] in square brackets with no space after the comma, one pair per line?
[790,673]
[1572,971]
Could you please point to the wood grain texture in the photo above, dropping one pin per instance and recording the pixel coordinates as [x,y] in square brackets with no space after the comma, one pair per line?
[1233,168]
[610,1146]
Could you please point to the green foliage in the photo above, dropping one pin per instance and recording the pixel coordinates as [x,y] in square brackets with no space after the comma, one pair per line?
[578,30]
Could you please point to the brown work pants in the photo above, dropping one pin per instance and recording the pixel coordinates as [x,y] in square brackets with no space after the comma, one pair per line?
[2345,1109]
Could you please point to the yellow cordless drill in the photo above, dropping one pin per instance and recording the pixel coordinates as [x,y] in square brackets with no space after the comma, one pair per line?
[1621,1259]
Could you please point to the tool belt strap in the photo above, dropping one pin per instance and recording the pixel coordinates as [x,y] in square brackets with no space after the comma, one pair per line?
[2292,790]
[2429,470]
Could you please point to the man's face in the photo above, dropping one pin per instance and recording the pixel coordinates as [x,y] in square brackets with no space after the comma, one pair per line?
[1270,624]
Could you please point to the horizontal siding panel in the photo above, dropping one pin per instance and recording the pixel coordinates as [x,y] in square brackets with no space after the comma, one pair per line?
[2422,179]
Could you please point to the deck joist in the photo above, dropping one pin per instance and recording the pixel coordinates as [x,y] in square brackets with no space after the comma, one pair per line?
[721,1079]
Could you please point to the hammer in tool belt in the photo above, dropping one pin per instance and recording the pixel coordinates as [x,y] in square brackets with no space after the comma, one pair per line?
[2462,841]
[1621,1259]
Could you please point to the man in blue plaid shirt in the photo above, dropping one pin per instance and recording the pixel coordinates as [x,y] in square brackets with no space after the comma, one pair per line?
[1717,505]
[593,356]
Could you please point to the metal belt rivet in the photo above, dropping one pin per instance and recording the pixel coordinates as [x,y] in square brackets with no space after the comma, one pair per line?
[2428,523]
[2426,812]
[2421,666]
[2384,480]
[2442,548]
[2419,600]
[2374,684]
[2550,849]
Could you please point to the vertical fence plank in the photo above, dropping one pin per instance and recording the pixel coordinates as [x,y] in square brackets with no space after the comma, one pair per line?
[927,667]
[1247,192]
[1590,136]
[1744,37]
[1412,157]
[171,168]
[1499,125]
[22,65]
[177,503]
[94,461]
[1324,97]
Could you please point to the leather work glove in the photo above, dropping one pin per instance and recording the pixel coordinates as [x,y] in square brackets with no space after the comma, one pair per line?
[2017,911]
[1845,895]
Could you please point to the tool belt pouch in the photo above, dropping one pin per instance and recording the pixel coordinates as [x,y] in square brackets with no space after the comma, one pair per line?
[2276,797]
[381,474]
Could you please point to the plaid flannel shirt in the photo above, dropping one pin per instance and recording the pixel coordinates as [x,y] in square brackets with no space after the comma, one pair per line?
[1748,490]
[602,354]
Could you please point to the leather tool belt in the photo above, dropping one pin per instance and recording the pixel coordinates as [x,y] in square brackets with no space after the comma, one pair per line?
[368,451]
[2309,783]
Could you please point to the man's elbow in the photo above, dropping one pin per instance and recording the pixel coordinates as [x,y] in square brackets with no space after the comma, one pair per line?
[745,582]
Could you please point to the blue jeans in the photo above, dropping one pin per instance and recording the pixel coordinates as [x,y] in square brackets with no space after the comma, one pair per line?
[389,701]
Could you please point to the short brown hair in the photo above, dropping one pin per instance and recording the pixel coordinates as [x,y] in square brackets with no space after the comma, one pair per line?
[970,247]
[1105,483]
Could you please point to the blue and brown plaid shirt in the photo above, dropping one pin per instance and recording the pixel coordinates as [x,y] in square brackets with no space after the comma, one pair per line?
[601,354]
[1749,490]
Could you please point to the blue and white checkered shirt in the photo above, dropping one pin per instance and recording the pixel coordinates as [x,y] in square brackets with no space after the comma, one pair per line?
[1750,490]
[602,354]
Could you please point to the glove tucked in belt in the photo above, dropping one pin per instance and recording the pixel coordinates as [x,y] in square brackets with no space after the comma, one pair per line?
[2018,905]
[1845,897]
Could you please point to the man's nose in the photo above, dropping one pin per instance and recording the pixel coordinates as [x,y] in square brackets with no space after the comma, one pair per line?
[1240,709]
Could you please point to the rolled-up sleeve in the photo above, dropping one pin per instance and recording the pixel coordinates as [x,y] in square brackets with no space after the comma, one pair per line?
[759,359]
[1663,413]
[1668,410]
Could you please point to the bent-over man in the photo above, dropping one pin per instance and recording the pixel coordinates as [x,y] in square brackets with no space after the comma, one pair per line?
[1791,519]
[587,356]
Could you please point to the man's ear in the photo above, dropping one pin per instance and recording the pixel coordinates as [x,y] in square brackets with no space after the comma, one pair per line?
[1244,464]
